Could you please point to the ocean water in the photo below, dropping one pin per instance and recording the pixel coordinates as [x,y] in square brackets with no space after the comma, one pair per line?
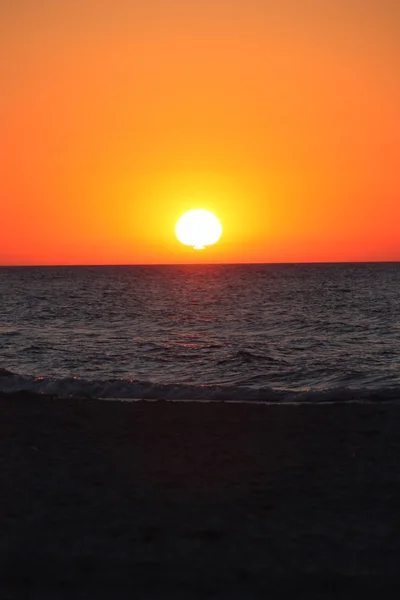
[212,332]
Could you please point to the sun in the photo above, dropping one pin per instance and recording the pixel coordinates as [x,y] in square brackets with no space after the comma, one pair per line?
[198,228]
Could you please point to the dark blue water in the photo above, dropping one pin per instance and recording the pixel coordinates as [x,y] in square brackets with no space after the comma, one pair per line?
[267,332]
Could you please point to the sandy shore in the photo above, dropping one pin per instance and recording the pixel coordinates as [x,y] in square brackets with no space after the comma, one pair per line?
[172,500]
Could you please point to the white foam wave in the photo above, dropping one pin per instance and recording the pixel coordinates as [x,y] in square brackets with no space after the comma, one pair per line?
[127,389]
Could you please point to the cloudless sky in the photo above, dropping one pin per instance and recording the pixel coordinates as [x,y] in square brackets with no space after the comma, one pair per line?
[116,116]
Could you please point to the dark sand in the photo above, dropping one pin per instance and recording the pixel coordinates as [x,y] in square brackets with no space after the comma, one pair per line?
[172,500]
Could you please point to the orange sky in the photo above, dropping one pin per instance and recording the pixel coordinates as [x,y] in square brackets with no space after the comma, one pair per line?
[118,115]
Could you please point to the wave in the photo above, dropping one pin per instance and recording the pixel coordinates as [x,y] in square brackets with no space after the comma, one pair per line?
[129,389]
[247,356]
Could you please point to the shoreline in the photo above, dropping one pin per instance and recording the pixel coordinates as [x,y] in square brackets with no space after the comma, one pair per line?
[197,499]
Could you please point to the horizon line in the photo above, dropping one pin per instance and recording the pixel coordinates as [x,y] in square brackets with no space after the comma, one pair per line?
[73,265]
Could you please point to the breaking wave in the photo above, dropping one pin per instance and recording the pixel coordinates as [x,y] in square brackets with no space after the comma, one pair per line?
[129,389]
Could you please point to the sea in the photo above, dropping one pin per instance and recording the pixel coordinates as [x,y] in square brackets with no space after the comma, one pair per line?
[223,333]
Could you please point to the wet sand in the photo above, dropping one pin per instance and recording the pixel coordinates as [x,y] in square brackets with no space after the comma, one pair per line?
[172,500]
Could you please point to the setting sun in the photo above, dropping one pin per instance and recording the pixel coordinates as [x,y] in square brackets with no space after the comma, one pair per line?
[198,228]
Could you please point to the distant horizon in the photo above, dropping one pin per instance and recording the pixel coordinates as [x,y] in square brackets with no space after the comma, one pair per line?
[205,264]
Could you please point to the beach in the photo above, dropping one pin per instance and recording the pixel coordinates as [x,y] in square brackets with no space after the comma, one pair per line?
[105,499]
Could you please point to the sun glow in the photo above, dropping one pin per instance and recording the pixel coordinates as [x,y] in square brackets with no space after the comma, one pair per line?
[198,228]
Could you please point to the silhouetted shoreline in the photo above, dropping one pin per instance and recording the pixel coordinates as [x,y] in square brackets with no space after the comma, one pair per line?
[198,500]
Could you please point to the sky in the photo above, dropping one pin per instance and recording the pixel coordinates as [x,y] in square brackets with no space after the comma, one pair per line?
[117,116]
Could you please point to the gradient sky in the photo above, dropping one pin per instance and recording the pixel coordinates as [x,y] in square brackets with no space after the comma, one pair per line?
[281,117]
